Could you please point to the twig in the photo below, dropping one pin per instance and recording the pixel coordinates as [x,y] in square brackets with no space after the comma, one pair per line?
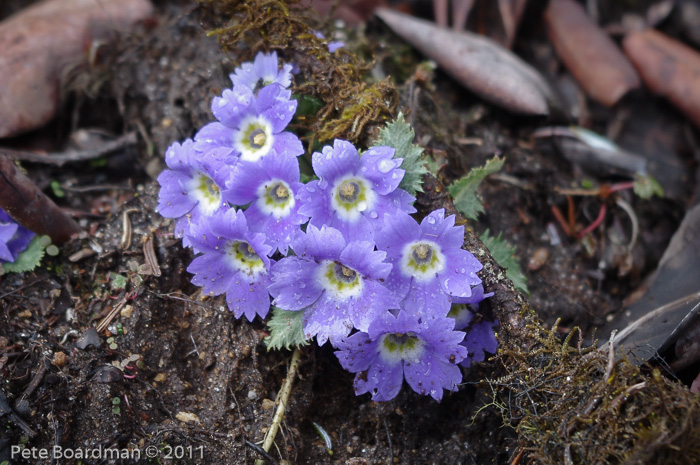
[260,451]
[61,158]
[282,399]
[25,202]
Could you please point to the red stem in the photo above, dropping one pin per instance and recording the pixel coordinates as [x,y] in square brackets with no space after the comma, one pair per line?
[595,224]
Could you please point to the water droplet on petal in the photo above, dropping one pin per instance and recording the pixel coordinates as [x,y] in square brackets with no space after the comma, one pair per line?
[362,206]
[373,214]
[462,270]
[431,220]
[394,175]
[222,102]
[385,166]
[322,184]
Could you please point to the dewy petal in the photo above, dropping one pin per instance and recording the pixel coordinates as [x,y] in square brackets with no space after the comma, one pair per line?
[293,283]
[212,136]
[384,381]
[314,202]
[374,302]
[233,105]
[173,200]
[360,230]
[320,244]
[336,161]
[242,187]
[379,166]
[459,274]
[356,352]
[431,375]
[266,67]
[362,257]
[324,320]
[248,298]
[399,229]
[480,338]
[426,300]
[287,144]
[211,273]
[273,102]
[179,156]
[7,230]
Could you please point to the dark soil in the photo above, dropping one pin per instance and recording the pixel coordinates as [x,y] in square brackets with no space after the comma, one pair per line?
[174,354]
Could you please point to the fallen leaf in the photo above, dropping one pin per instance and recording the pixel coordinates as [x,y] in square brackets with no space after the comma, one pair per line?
[668,67]
[39,41]
[599,67]
[478,63]
[655,322]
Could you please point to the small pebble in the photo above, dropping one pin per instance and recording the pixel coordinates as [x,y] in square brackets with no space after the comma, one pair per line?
[160,377]
[127,311]
[268,404]
[187,417]
[252,395]
[59,359]
[538,259]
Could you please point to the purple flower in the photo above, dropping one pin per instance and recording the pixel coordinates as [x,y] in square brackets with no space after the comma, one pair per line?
[333,45]
[270,186]
[336,284]
[192,187]
[252,125]
[430,266]
[14,238]
[480,338]
[354,193]
[233,261]
[461,309]
[263,70]
[426,353]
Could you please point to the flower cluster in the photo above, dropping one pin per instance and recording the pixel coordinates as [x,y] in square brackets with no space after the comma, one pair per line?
[14,238]
[386,291]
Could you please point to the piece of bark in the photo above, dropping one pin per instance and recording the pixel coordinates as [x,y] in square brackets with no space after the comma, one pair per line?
[478,63]
[669,68]
[27,205]
[588,53]
[38,42]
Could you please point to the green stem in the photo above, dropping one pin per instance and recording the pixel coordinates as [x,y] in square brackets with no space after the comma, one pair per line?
[282,399]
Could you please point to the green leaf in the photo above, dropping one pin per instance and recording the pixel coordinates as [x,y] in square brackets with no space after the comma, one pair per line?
[286,329]
[646,186]
[28,259]
[464,190]
[117,281]
[399,135]
[504,254]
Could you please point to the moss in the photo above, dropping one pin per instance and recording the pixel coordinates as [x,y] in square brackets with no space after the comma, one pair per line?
[573,404]
[337,79]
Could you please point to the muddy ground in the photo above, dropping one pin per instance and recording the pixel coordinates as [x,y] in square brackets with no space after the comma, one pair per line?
[174,370]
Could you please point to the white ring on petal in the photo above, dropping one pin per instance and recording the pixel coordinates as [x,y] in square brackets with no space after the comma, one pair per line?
[402,353]
[353,214]
[272,208]
[242,144]
[328,267]
[198,188]
[421,275]
[248,267]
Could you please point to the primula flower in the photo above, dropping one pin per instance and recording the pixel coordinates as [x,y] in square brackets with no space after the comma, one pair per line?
[430,266]
[426,353]
[233,261]
[270,187]
[252,125]
[336,284]
[192,187]
[333,45]
[480,335]
[264,70]
[14,238]
[354,193]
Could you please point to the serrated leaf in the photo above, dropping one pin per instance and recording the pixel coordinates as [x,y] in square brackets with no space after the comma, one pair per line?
[399,135]
[28,259]
[646,187]
[504,254]
[286,329]
[464,190]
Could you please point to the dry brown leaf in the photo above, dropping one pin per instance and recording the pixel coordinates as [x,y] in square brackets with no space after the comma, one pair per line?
[588,53]
[478,63]
[37,42]
[669,68]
